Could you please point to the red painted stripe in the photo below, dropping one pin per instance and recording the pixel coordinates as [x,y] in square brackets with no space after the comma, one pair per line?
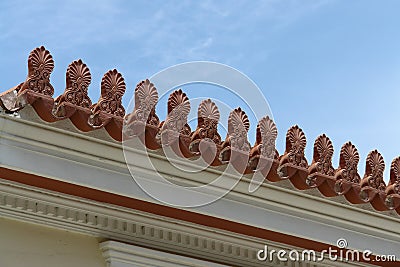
[171,212]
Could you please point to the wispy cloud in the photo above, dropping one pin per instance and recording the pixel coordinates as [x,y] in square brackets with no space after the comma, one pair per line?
[168,31]
[142,38]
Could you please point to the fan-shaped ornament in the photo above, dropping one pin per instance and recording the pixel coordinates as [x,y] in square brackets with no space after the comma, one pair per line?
[40,66]
[208,110]
[78,80]
[238,126]
[395,171]
[295,146]
[267,132]
[395,175]
[349,158]
[323,152]
[112,89]
[374,170]
[146,98]
[208,117]
[178,111]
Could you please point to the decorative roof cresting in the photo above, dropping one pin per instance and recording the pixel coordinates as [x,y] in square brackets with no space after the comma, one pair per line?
[174,132]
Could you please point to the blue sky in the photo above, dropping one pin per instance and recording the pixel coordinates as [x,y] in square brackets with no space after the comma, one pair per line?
[329,66]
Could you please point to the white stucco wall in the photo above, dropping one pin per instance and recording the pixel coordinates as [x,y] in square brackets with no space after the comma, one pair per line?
[26,244]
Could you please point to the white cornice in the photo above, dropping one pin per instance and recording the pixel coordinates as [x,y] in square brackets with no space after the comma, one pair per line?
[48,151]
[39,206]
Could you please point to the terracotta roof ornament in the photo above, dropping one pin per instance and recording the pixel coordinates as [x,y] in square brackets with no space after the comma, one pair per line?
[75,103]
[108,112]
[393,189]
[143,121]
[347,177]
[293,164]
[321,171]
[372,185]
[78,79]
[266,137]
[236,147]
[146,98]
[174,131]
[112,89]
[40,66]
[205,140]
[264,157]
[37,89]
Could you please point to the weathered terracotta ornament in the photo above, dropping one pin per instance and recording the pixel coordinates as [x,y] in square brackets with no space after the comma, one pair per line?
[264,156]
[321,171]
[205,140]
[293,164]
[372,185]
